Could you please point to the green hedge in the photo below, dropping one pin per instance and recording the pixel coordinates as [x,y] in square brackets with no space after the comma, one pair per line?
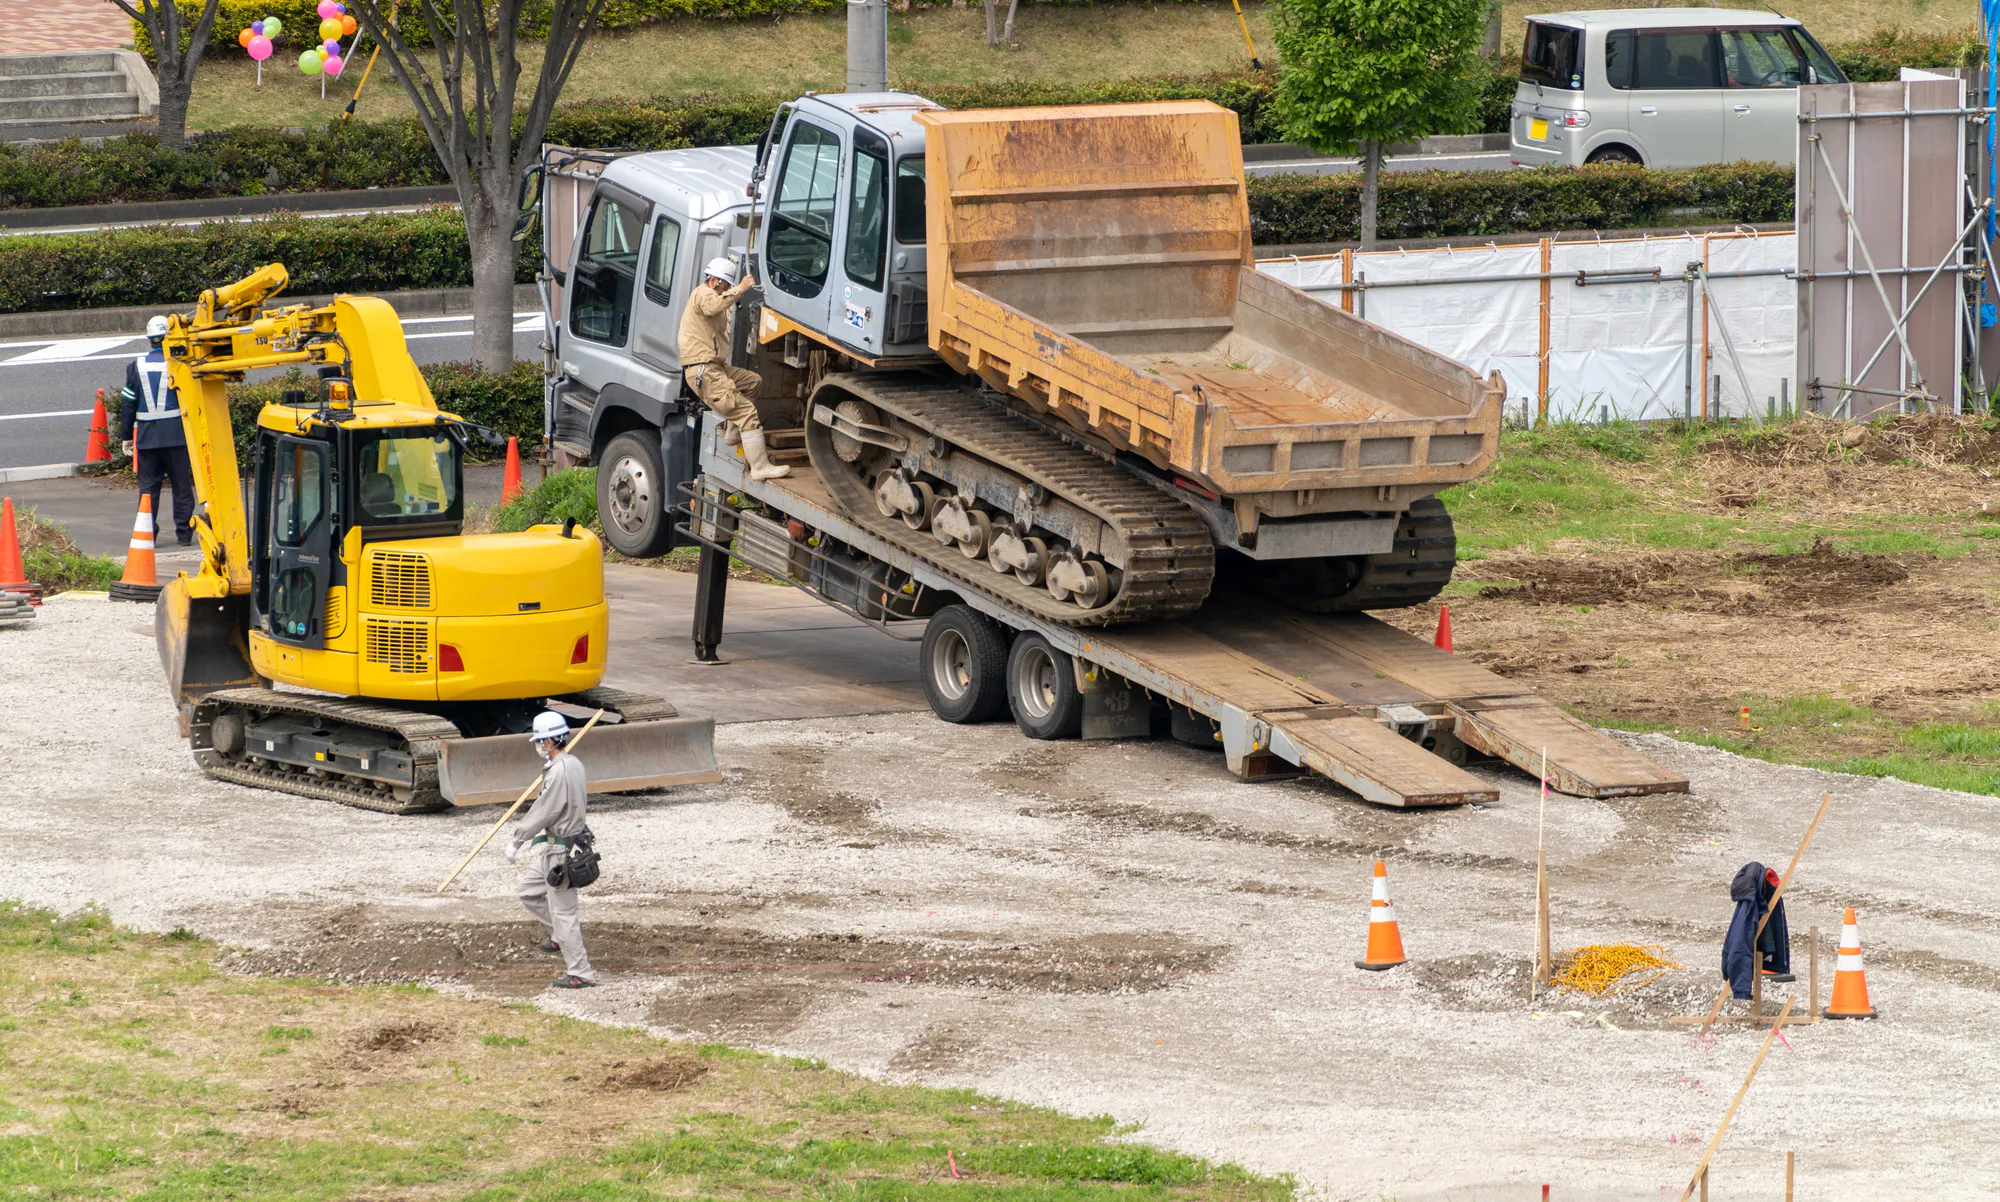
[1291,209]
[255,160]
[510,404]
[170,265]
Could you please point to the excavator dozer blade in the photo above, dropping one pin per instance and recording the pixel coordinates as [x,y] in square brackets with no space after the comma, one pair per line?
[201,642]
[652,754]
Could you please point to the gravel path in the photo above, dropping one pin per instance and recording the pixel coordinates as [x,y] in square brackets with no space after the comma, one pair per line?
[1118,928]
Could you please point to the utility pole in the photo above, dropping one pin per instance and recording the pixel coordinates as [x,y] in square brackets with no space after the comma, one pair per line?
[867,45]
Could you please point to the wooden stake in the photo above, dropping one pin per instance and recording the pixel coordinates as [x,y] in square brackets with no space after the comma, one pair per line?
[1812,976]
[1756,985]
[1757,957]
[1543,956]
[1701,1171]
[532,786]
[1715,1009]
[1788,1177]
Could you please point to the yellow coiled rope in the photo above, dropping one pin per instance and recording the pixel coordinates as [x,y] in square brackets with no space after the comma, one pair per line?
[1601,968]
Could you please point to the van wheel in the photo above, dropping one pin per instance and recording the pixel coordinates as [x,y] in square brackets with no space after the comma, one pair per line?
[633,495]
[965,665]
[1615,154]
[1041,686]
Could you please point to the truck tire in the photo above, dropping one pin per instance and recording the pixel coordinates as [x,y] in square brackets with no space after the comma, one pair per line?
[1041,688]
[633,496]
[964,658]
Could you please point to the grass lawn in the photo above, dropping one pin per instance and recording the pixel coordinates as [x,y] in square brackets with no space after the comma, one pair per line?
[793,55]
[134,1066]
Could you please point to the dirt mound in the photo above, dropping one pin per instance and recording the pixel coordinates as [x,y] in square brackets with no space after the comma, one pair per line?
[661,1076]
[1928,440]
[1703,583]
[400,1037]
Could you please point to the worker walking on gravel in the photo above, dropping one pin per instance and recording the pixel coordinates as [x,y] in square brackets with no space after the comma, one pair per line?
[705,360]
[149,426]
[547,833]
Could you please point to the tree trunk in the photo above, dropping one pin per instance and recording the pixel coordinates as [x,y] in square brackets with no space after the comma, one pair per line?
[1007,31]
[174,95]
[1489,42]
[992,28]
[1371,182]
[489,231]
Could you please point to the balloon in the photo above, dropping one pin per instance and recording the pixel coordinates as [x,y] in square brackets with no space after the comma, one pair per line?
[329,31]
[273,27]
[259,47]
[339,7]
[256,28]
[348,25]
[330,48]
[327,10]
[334,63]
[243,39]
[309,62]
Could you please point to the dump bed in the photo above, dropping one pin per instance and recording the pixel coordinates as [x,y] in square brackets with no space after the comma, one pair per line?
[1095,262]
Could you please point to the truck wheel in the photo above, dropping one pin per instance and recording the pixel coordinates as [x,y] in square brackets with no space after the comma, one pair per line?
[1041,686]
[965,665]
[632,496]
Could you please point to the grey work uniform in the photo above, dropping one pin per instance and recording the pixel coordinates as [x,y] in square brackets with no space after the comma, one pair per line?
[558,815]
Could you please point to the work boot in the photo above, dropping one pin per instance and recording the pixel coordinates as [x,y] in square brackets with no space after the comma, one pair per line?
[571,981]
[761,467]
[731,436]
[551,946]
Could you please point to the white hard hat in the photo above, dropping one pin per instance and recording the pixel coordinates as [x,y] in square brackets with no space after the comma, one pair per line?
[549,725]
[156,327]
[722,269]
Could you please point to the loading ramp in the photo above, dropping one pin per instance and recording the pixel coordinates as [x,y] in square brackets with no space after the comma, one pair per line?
[1377,710]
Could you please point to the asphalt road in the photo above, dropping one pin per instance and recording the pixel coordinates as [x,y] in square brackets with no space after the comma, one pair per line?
[1498,160]
[48,387]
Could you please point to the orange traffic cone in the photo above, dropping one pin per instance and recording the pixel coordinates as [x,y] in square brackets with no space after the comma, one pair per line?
[1850,983]
[139,582]
[1385,941]
[13,575]
[510,481]
[1443,640]
[98,448]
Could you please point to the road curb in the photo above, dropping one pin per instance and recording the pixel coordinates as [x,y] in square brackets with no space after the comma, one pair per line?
[47,471]
[131,319]
[223,207]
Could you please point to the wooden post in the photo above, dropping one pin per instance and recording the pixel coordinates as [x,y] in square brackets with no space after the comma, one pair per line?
[1347,277]
[1812,974]
[1544,956]
[1542,370]
[1704,1183]
[568,748]
[1788,1177]
[1701,1171]
[1706,354]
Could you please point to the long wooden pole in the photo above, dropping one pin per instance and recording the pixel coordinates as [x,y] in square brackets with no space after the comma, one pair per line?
[532,786]
[1702,1168]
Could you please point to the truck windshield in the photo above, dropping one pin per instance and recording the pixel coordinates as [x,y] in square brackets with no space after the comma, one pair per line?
[404,476]
[1553,56]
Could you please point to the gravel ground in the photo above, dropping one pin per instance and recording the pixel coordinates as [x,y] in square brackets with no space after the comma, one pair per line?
[1117,928]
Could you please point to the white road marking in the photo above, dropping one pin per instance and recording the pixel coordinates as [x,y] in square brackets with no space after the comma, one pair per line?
[79,350]
[69,349]
[18,417]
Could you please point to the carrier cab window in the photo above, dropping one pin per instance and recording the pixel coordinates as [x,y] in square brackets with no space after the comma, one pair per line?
[1553,56]
[408,476]
[802,219]
[660,260]
[868,211]
[601,304]
[910,200]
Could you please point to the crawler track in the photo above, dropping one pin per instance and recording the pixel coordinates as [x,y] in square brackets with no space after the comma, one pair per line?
[1170,554]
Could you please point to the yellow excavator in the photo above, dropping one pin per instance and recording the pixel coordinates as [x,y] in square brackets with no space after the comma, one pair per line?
[343,638]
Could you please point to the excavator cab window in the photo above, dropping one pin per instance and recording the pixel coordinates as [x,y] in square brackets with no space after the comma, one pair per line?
[868,211]
[910,200]
[296,497]
[407,477]
[801,238]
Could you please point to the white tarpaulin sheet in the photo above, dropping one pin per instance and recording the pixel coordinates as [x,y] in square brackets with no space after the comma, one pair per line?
[1614,349]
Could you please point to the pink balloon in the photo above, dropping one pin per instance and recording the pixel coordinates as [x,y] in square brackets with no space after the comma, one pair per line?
[327,10]
[333,64]
[260,47]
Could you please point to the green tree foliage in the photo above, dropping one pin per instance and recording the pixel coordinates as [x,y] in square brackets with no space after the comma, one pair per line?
[1360,74]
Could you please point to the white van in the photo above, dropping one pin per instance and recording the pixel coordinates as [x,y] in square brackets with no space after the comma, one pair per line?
[1666,87]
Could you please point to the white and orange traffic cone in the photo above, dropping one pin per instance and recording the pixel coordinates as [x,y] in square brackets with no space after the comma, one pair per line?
[1850,983]
[1385,940]
[140,582]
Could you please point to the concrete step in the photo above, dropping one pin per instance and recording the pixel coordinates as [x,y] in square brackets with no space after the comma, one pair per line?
[92,83]
[75,62]
[68,108]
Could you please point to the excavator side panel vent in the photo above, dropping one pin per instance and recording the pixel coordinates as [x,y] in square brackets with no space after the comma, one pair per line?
[399,580]
[336,612]
[398,644]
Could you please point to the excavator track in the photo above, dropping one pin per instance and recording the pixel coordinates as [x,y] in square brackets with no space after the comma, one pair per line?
[1414,570]
[1170,553]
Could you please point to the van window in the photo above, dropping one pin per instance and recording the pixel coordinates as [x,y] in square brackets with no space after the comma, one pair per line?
[1676,58]
[1553,56]
[1761,58]
[1618,49]
[1820,67]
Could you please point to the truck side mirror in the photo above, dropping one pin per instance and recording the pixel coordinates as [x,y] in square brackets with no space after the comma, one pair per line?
[531,189]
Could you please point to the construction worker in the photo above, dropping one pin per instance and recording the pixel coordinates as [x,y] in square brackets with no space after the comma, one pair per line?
[705,362]
[546,833]
[149,426]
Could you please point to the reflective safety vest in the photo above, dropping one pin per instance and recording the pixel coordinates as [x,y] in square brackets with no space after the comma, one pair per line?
[158,401]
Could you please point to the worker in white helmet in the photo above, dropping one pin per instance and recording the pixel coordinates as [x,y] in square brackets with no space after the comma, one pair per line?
[705,363]
[547,833]
[149,426]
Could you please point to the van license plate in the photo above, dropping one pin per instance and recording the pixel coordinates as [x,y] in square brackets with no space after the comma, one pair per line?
[1538,129]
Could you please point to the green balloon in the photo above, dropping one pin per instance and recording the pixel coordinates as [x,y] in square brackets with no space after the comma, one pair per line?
[272,28]
[309,62]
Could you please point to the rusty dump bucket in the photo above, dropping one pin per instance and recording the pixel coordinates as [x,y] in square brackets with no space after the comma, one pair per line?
[653,754]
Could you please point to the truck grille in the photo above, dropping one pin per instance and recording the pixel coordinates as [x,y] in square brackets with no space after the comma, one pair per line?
[398,644]
[399,580]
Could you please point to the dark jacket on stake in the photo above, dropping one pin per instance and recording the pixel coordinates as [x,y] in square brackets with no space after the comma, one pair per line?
[1752,891]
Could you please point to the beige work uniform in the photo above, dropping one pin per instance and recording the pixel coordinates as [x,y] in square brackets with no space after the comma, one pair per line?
[558,814]
[705,357]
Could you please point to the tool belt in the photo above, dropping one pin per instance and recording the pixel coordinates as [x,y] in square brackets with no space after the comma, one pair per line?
[577,869]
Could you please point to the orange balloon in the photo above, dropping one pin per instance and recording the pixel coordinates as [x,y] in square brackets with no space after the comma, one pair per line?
[243,39]
[348,26]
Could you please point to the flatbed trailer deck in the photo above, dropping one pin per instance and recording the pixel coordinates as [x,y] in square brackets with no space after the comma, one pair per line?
[1379,711]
